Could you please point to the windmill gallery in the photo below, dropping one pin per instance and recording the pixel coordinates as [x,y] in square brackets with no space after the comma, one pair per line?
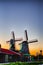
[12,55]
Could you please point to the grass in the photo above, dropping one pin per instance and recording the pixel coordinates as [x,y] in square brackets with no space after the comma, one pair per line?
[23,63]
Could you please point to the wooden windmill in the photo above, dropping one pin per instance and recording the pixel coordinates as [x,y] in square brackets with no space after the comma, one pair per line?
[12,41]
[25,47]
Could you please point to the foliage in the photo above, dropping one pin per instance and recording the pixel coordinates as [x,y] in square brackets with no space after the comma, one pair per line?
[24,63]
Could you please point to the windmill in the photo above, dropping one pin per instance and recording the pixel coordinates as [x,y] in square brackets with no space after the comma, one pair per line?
[12,41]
[25,47]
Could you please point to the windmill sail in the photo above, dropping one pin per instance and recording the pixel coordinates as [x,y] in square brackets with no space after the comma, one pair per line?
[26,36]
[13,35]
[32,41]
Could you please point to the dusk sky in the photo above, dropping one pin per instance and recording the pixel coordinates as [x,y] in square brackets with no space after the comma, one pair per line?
[20,15]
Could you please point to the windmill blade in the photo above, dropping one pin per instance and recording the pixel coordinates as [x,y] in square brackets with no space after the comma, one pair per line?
[26,36]
[19,39]
[20,43]
[33,41]
[7,41]
[13,35]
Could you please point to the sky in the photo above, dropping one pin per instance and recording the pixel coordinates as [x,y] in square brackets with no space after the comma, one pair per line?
[19,15]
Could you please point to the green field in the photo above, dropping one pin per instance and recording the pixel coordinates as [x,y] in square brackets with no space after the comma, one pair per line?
[22,63]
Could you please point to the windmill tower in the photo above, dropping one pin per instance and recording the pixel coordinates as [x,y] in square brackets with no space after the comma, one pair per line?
[25,47]
[12,41]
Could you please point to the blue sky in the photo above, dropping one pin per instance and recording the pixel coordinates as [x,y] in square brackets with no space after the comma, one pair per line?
[18,16]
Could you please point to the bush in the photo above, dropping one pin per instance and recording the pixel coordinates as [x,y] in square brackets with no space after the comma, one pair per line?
[24,63]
